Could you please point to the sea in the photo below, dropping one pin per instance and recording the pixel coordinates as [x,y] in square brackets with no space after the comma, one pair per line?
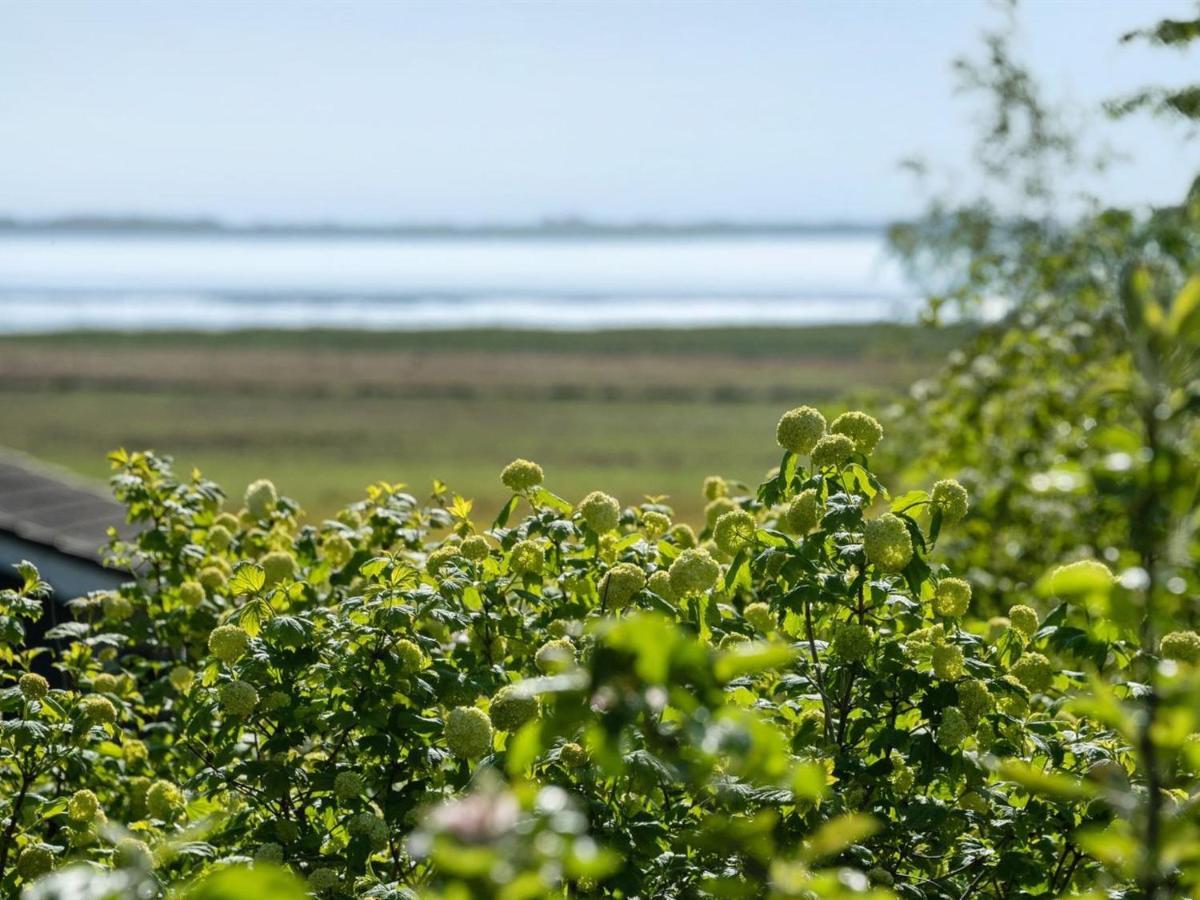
[113,281]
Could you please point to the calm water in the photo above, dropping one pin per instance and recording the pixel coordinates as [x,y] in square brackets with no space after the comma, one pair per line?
[51,283]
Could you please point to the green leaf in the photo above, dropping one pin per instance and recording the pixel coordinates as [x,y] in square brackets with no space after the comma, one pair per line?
[837,834]
[542,497]
[505,512]
[750,658]
[373,566]
[248,578]
[244,883]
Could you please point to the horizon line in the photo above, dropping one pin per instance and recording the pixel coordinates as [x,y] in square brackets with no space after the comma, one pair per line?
[548,225]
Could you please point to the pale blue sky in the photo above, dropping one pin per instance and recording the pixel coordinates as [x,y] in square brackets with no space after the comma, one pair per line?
[465,111]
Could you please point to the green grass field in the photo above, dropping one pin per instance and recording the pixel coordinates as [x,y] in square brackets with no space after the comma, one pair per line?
[326,413]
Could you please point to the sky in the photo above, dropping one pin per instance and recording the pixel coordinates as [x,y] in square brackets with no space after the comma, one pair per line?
[469,111]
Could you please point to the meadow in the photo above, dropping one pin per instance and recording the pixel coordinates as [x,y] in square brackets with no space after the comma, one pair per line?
[327,412]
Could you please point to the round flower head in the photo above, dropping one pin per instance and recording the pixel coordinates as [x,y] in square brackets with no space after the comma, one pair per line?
[985,735]
[261,498]
[683,536]
[608,548]
[278,565]
[510,708]
[410,656]
[952,597]
[903,778]
[1034,671]
[181,678]
[862,429]
[1024,619]
[887,543]
[1014,704]
[520,475]
[323,880]
[33,686]
[164,800]
[134,752]
[269,854]
[732,640]
[760,616]
[559,628]
[572,755]
[948,662]
[276,700]
[717,508]
[369,826]
[228,642]
[191,593]
[852,642]
[803,512]
[338,550]
[655,524]
[212,578]
[98,710]
[220,537]
[951,498]
[1181,646]
[799,429]
[82,807]
[693,572]
[1109,772]
[527,558]
[130,853]
[954,730]
[441,557]
[286,830]
[881,876]
[832,451]
[348,785]
[475,548]
[660,583]
[734,530]
[104,683]
[468,732]
[714,487]
[621,584]
[238,698]
[226,520]
[116,607]
[34,862]
[600,511]
[974,699]
[555,656]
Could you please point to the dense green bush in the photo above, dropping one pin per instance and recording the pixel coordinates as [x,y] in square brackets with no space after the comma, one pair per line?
[591,700]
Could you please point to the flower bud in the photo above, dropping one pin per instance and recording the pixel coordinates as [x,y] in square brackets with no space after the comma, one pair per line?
[887,543]
[693,572]
[600,511]
[952,597]
[520,475]
[862,429]
[734,530]
[951,498]
[621,584]
[510,708]
[468,732]
[228,642]
[261,498]
[799,429]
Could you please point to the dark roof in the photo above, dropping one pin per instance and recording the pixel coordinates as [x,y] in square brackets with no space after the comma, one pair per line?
[52,507]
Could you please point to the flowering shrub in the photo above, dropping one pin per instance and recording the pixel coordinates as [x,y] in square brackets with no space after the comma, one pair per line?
[590,700]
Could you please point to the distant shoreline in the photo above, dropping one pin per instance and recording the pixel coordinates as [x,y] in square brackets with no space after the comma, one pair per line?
[550,229]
